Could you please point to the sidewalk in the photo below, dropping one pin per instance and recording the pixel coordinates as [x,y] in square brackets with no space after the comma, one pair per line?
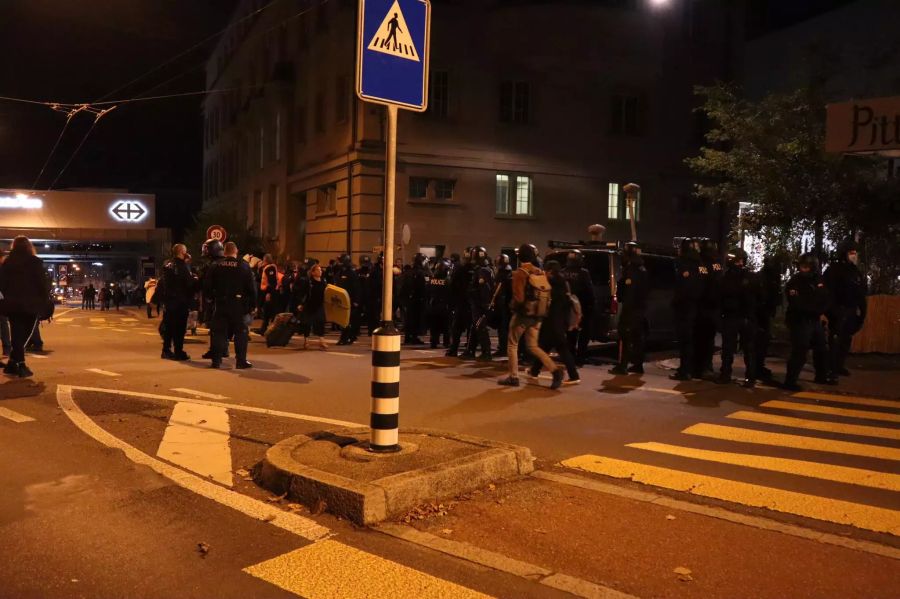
[649,550]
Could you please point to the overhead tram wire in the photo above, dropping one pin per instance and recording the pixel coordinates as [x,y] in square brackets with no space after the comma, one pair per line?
[97,118]
[70,114]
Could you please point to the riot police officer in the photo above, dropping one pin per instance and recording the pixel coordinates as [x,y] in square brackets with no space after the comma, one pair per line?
[502,314]
[414,289]
[688,290]
[740,294]
[176,291]
[770,300]
[579,279]
[708,309]
[481,296]
[345,278]
[231,284]
[438,305]
[808,301]
[631,292]
[212,251]
[459,297]
[848,308]
[364,275]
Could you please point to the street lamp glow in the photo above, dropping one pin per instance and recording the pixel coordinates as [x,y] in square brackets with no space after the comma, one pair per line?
[659,3]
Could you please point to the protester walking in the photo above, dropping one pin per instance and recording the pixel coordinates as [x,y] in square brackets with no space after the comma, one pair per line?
[559,322]
[26,299]
[530,305]
[310,298]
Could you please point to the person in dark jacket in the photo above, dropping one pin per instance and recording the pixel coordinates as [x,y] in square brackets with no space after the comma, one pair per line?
[709,310]
[808,301]
[26,299]
[688,290]
[481,296]
[848,305]
[176,289]
[579,279]
[345,277]
[414,294]
[501,305]
[438,307]
[462,312]
[771,299]
[632,291]
[230,283]
[311,306]
[740,295]
[556,325]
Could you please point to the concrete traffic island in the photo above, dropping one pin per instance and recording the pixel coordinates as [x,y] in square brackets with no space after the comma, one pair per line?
[334,469]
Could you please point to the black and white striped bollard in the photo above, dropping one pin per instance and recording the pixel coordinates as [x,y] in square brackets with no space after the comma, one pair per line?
[385,421]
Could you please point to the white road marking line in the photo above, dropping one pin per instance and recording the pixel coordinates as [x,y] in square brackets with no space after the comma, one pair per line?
[103,372]
[37,356]
[129,320]
[817,409]
[848,399]
[64,312]
[197,438]
[819,425]
[340,353]
[75,325]
[219,404]
[656,390]
[119,330]
[14,416]
[298,525]
[151,334]
[198,393]
[63,320]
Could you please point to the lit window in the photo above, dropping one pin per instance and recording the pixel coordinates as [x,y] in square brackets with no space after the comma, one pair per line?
[612,211]
[514,195]
[502,194]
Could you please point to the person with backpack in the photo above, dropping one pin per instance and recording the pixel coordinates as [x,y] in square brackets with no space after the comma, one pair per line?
[564,316]
[530,305]
[25,290]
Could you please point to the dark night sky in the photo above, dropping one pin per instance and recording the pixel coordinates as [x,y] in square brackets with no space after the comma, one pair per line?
[76,51]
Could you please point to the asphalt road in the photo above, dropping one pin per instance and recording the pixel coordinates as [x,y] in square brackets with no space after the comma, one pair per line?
[81,519]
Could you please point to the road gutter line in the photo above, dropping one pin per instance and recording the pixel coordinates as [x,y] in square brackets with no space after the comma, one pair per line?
[722,514]
[103,372]
[298,525]
[501,563]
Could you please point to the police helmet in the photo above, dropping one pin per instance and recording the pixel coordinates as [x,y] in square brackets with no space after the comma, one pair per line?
[575,256]
[214,248]
[345,260]
[479,254]
[686,246]
[809,260]
[737,255]
[365,261]
[467,254]
[527,253]
[420,259]
[503,260]
[845,247]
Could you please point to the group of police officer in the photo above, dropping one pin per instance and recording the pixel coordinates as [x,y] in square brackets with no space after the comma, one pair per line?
[823,313]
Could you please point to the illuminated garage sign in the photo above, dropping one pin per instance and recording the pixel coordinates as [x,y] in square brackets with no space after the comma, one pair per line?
[128,211]
[21,201]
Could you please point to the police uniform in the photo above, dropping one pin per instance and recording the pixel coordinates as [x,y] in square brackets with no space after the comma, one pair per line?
[688,290]
[770,300]
[231,284]
[740,294]
[481,292]
[848,308]
[632,291]
[579,279]
[709,310]
[462,312]
[438,306]
[501,305]
[176,288]
[807,300]
[345,278]
[415,295]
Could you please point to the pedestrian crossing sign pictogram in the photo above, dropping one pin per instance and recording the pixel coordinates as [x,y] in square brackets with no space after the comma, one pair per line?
[393,50]
[393,36]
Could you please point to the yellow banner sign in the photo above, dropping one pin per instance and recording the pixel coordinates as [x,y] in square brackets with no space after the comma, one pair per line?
[863,126]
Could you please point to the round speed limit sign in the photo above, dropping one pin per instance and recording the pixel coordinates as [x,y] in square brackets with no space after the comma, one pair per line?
[217,233]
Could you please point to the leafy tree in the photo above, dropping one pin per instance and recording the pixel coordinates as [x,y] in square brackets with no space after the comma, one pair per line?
[771,153]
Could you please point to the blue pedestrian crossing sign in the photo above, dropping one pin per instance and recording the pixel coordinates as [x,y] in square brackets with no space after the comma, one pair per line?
[392,52]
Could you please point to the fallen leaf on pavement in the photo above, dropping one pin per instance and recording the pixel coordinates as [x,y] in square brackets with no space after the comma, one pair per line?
[492,487]
[320,508]
[670,517]
[540,531]
[684,574]
[203,548]
[242,472]
[447,531]
[294,507]
[276,498]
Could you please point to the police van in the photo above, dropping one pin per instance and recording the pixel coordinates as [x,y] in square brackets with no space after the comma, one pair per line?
[603,259]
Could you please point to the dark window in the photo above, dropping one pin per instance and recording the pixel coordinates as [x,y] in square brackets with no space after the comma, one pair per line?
[342,99]
[625,118]
[302,124]
[443,189]
[515,102]
[320,112]
[326,199]
[439,102]
[418,188]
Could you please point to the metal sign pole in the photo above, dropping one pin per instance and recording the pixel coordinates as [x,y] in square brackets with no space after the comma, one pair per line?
[385,416]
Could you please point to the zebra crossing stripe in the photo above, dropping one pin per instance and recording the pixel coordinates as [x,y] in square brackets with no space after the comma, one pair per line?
[385,417]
